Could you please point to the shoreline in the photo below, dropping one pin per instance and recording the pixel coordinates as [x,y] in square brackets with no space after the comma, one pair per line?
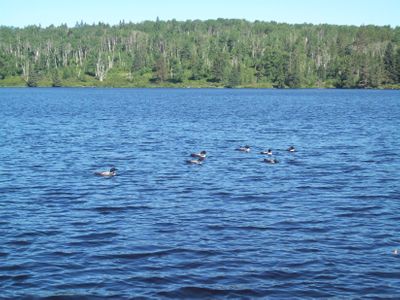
[202,87]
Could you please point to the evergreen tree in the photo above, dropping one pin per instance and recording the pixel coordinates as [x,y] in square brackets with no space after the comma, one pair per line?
[219,72]
[389,62]
[397,66]
[176,71]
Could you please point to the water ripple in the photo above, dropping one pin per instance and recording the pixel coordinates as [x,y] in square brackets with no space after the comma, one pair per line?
[322,223]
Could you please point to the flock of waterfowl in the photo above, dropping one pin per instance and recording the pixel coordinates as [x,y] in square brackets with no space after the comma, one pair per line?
[203,154]
[199,158]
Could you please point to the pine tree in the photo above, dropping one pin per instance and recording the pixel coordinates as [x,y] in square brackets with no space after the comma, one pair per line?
[397,66]
[389,64]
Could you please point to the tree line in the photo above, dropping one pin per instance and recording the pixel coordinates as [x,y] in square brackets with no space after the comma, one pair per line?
[222,52]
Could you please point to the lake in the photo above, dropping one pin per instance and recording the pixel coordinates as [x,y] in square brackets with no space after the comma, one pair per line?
[322,223]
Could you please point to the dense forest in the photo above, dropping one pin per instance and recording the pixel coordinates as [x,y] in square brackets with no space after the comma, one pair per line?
[212,53]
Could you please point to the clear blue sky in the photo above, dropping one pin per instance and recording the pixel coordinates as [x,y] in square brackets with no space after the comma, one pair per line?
[20,13]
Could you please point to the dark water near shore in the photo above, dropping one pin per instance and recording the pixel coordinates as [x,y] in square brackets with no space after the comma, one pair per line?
[320,224]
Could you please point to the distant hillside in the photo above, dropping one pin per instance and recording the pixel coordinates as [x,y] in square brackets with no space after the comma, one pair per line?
[216,53]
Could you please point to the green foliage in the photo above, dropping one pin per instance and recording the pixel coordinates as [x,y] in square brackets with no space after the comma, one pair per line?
[12,81]
[34,78]
[389,63]
[201,53]
[234,77]
[55,78]
[292,80]
[160,70]
[397,65]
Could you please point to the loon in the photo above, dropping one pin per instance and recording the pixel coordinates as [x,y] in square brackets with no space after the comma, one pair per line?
[202,154]
[244,149]
[198,161]
[270,160]
[268,152]
[112,172]
[291,149]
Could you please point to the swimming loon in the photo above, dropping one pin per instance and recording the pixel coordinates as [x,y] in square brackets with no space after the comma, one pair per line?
[112,172]
[268,152]
[270,160]
[198,161]
[202,154]
[291,149]
[244,149]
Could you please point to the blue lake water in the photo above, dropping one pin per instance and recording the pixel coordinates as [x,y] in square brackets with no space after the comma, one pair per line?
[322,223]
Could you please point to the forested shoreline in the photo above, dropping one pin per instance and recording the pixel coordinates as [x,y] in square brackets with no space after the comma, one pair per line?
[212,53]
